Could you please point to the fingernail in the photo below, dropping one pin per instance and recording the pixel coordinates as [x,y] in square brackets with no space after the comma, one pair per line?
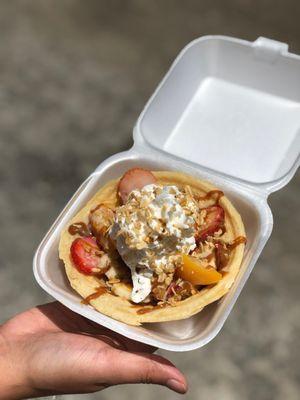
[177,386]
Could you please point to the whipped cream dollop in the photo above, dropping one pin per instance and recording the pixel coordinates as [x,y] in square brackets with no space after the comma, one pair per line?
[156,224]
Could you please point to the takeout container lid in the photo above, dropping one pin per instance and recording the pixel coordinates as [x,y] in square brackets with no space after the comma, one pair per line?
[228,111]
[231,106]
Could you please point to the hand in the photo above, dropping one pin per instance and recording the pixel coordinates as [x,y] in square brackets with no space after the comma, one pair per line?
[51,350]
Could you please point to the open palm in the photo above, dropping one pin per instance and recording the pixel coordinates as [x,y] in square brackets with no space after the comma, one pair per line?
[51,350]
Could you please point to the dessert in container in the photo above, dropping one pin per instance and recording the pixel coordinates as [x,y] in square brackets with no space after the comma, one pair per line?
[227,111]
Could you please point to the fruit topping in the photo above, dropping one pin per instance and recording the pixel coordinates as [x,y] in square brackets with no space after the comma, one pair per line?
[101,219]
[213,222]
[196,272]
[87,256]
[135,178]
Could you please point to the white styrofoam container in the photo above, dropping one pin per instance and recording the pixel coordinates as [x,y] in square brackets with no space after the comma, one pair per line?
[227,111]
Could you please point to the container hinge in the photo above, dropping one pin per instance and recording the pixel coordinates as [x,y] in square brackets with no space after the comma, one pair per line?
[269,49]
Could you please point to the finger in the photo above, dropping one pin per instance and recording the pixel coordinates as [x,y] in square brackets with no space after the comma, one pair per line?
[125,367]
[123,343]
[99,331]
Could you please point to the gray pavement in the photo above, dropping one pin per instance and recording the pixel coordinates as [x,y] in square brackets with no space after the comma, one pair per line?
[74,76]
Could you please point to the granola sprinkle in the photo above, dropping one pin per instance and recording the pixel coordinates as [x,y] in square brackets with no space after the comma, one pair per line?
[155,226]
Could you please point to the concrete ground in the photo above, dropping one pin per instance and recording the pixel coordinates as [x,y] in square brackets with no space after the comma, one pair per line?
[74,76]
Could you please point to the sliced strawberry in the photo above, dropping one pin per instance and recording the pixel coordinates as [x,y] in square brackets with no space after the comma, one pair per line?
[214,221]
[135,178]
[87,256]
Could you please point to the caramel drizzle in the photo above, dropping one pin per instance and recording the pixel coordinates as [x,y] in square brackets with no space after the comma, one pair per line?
[144,310]
[79,228]
[223,253]
[236,242]
[217,194]
[147,309]
[99,292]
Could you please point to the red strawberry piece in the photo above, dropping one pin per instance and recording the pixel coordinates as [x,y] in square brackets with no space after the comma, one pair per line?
[214,221]
[135,178]
[86,255]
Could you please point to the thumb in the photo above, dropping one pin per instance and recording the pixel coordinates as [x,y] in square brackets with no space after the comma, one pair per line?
[126,367]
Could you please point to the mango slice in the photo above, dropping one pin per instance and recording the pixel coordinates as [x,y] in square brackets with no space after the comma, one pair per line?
[195,272]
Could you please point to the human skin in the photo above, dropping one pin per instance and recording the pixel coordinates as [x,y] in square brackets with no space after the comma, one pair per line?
[50,350]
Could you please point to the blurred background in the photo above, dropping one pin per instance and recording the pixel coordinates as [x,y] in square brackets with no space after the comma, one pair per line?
[74,76]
